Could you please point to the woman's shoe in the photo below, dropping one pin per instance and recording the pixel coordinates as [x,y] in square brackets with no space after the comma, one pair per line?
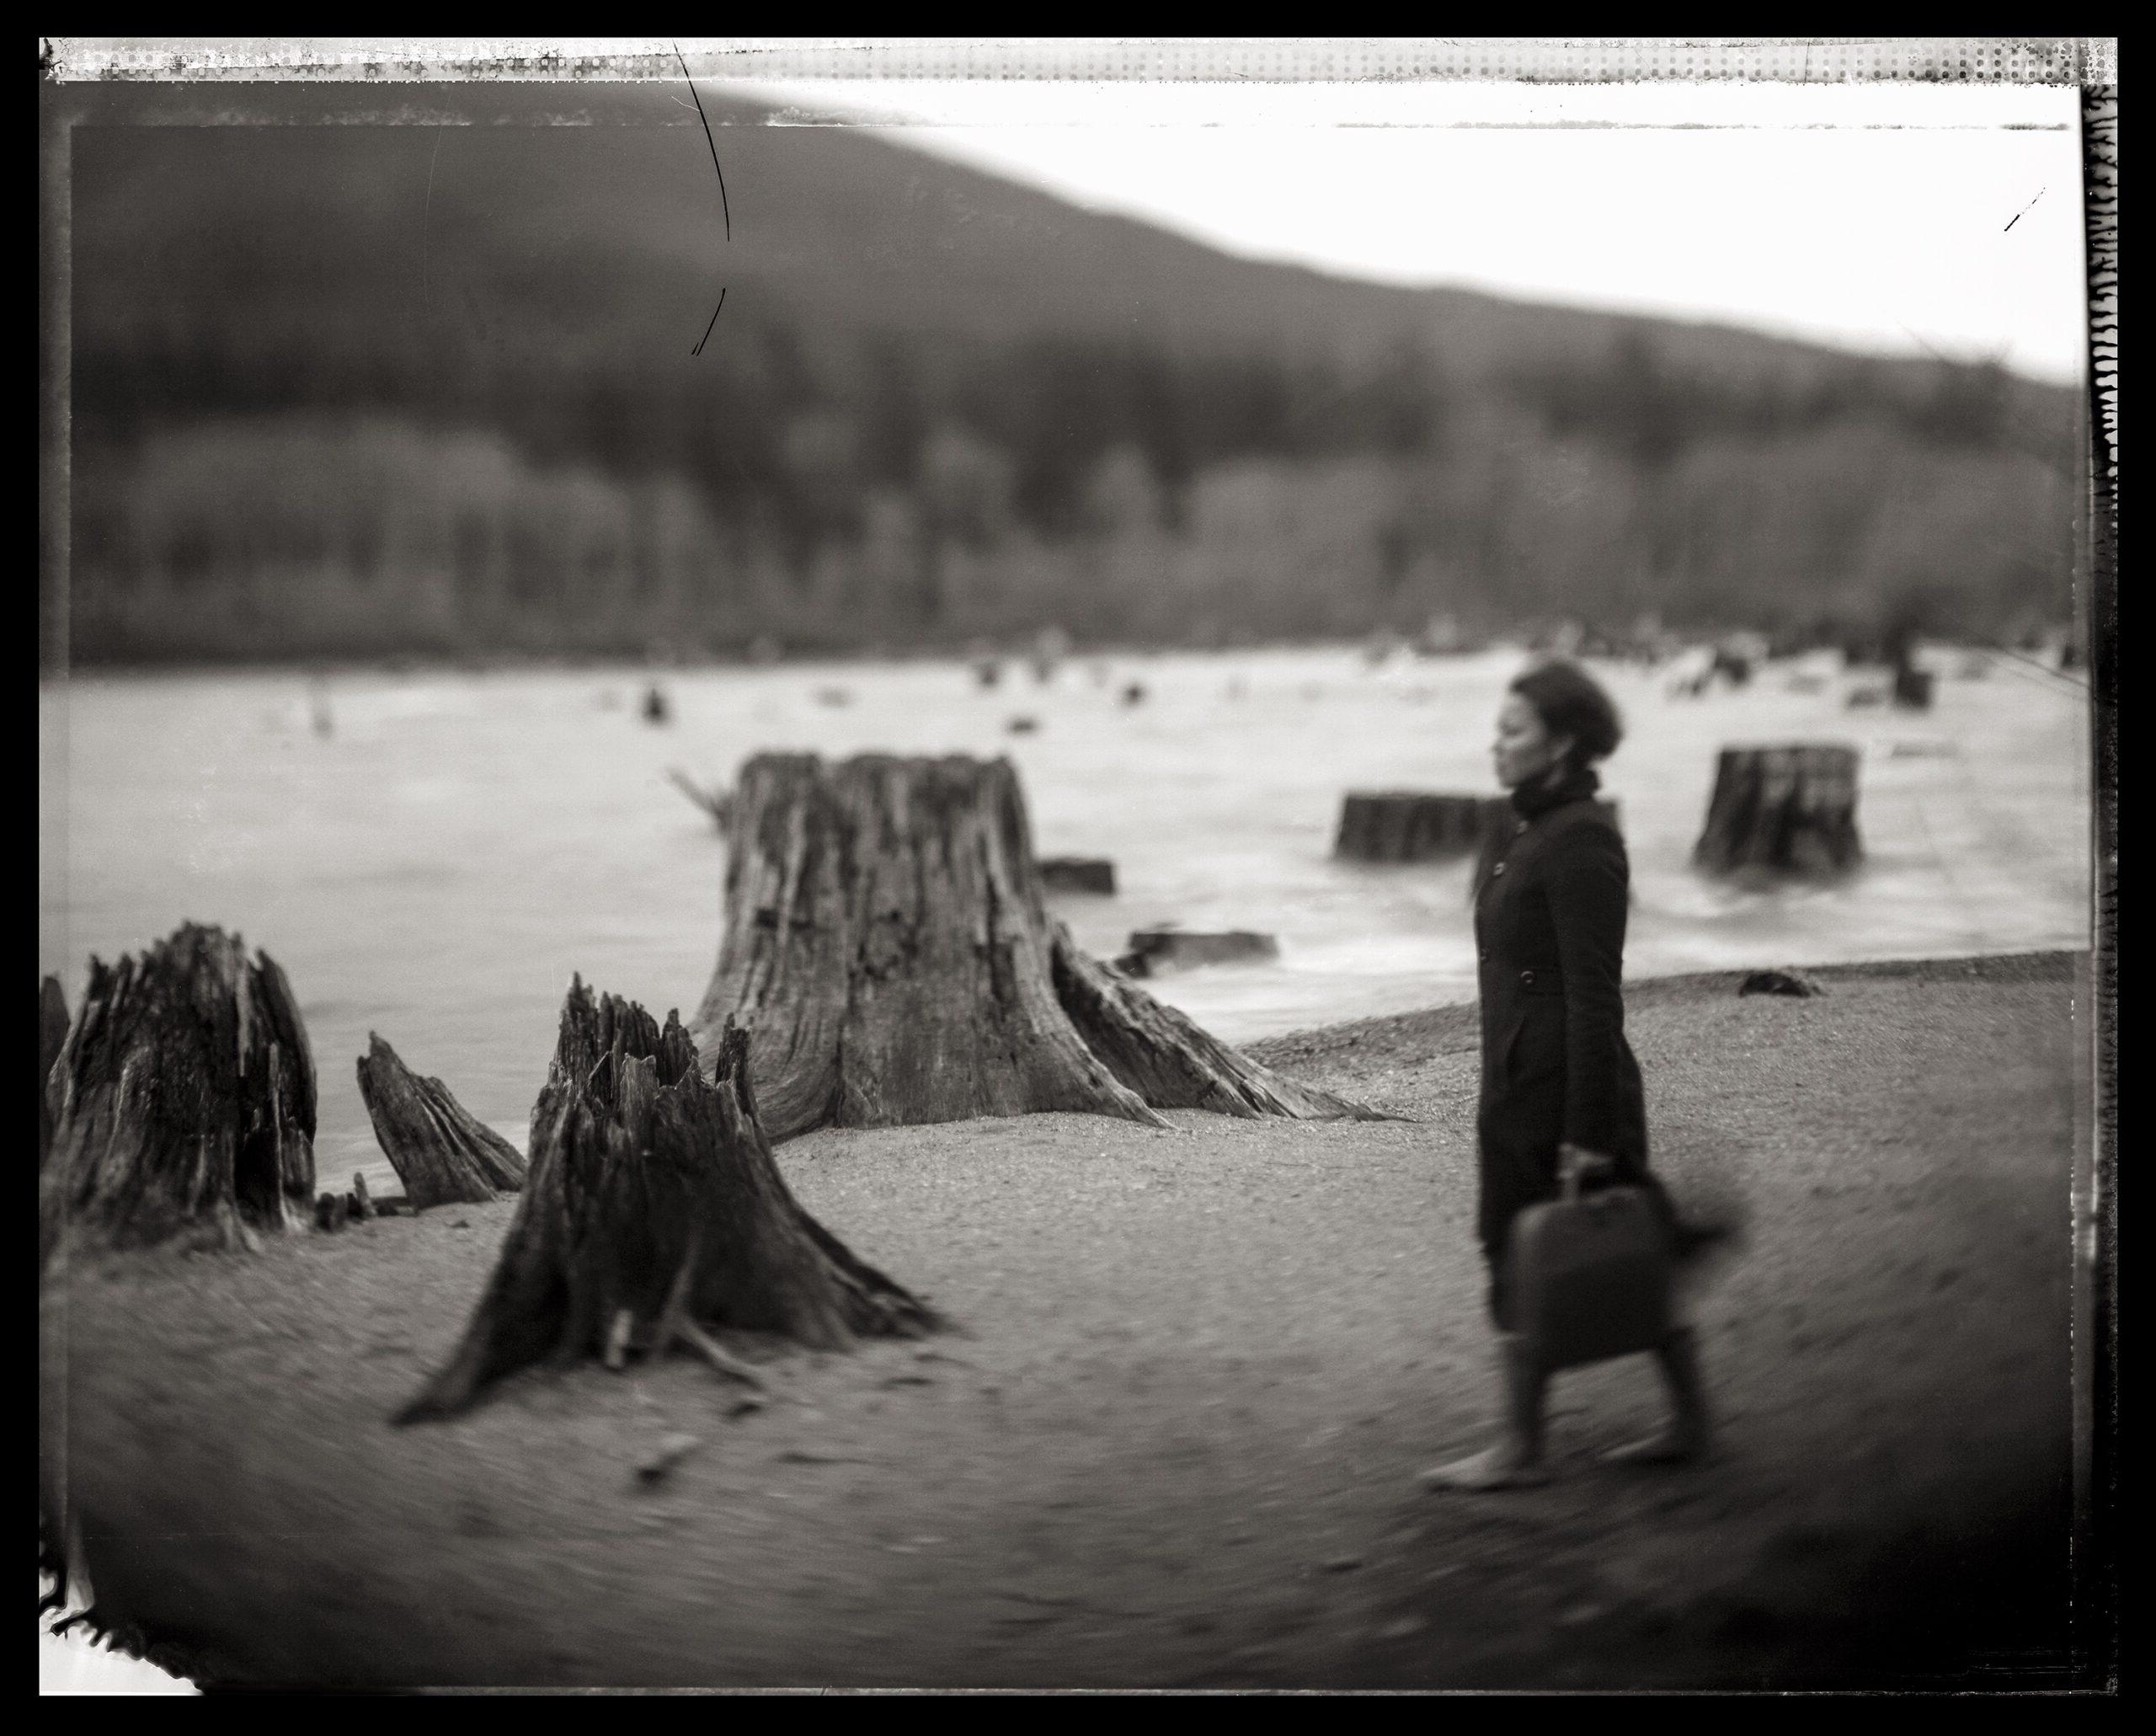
[1688,1435]
[1498,1467]
[1516,1462]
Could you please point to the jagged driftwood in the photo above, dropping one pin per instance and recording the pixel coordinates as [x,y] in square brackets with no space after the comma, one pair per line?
[442,1155]
[51,1032]
[1168,1061]
[653,1214]
[1411,825]
[183,1100]
[715,803]
[887,947]
[1782,809]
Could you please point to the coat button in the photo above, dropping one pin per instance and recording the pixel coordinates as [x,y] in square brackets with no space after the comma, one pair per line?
[1526,977]
[1498,870]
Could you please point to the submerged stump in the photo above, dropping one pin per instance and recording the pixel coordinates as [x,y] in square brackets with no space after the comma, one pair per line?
[1788,810]
[1078,874]
[1411,825]
[1913,687]
[1156,949]
[443,1156]
[887,947]
[182,1101]
[654,1213]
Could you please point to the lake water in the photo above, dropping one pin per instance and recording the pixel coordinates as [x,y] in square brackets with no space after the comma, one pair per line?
[436,867]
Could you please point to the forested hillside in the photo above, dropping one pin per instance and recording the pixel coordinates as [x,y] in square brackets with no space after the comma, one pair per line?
[360,390]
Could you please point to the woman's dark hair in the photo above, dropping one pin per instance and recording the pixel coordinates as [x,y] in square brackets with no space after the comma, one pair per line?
[1571,702]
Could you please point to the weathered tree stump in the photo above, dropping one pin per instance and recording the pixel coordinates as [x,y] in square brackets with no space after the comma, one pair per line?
[51,1032]
[183,1100]
[656,710]
[1789,810]
[1078,874]
[1156,949]
[1413,825]
[442,1154]
[887,947]
[654,1213]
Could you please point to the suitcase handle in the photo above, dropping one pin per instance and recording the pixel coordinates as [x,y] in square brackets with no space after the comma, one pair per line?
[1570,1167]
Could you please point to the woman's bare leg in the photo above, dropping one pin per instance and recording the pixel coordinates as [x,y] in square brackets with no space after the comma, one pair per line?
[1516,1460]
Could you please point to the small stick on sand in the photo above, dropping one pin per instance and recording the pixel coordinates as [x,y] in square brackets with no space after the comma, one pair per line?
[698,1340]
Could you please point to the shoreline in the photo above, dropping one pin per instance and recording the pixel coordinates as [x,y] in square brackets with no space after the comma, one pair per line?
[1445,1018]
[1175,1434]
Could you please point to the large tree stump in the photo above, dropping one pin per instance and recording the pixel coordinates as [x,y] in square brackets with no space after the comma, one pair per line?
[51,1032]
[1413,825]
[653,1212]
[887,947]
[183,1100]
[1787,810]
[439,1152]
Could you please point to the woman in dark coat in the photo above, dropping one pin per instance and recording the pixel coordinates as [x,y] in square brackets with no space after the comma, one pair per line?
[1559,1085]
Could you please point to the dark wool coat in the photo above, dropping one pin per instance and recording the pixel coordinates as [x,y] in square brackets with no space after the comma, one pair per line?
[1551,894]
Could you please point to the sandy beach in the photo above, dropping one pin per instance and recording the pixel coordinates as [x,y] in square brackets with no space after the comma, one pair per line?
[1174,1440]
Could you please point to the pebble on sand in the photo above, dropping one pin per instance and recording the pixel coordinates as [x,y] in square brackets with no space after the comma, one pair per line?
[1779,982]
[672,1450]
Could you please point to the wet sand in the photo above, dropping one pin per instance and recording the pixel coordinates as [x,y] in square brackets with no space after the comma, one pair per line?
[1174,1442]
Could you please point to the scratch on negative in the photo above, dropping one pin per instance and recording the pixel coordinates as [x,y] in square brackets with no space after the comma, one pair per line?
[427,212]
[725,208]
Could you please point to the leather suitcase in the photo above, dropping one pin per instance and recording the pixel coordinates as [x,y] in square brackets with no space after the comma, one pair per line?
[1590,1275]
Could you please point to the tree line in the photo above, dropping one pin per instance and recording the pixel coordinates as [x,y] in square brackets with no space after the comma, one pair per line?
[252,496]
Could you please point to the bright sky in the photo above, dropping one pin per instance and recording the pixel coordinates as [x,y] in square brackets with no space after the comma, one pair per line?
[1894,217]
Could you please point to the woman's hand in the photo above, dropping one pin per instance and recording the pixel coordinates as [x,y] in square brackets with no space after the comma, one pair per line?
[1587,1166]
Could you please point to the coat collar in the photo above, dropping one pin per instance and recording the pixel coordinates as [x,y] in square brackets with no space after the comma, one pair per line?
[1533,799]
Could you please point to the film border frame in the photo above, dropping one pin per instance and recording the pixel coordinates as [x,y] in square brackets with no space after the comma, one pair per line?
[72,69]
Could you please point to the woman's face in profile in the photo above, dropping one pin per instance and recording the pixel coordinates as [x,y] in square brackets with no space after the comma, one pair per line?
[1524,748]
